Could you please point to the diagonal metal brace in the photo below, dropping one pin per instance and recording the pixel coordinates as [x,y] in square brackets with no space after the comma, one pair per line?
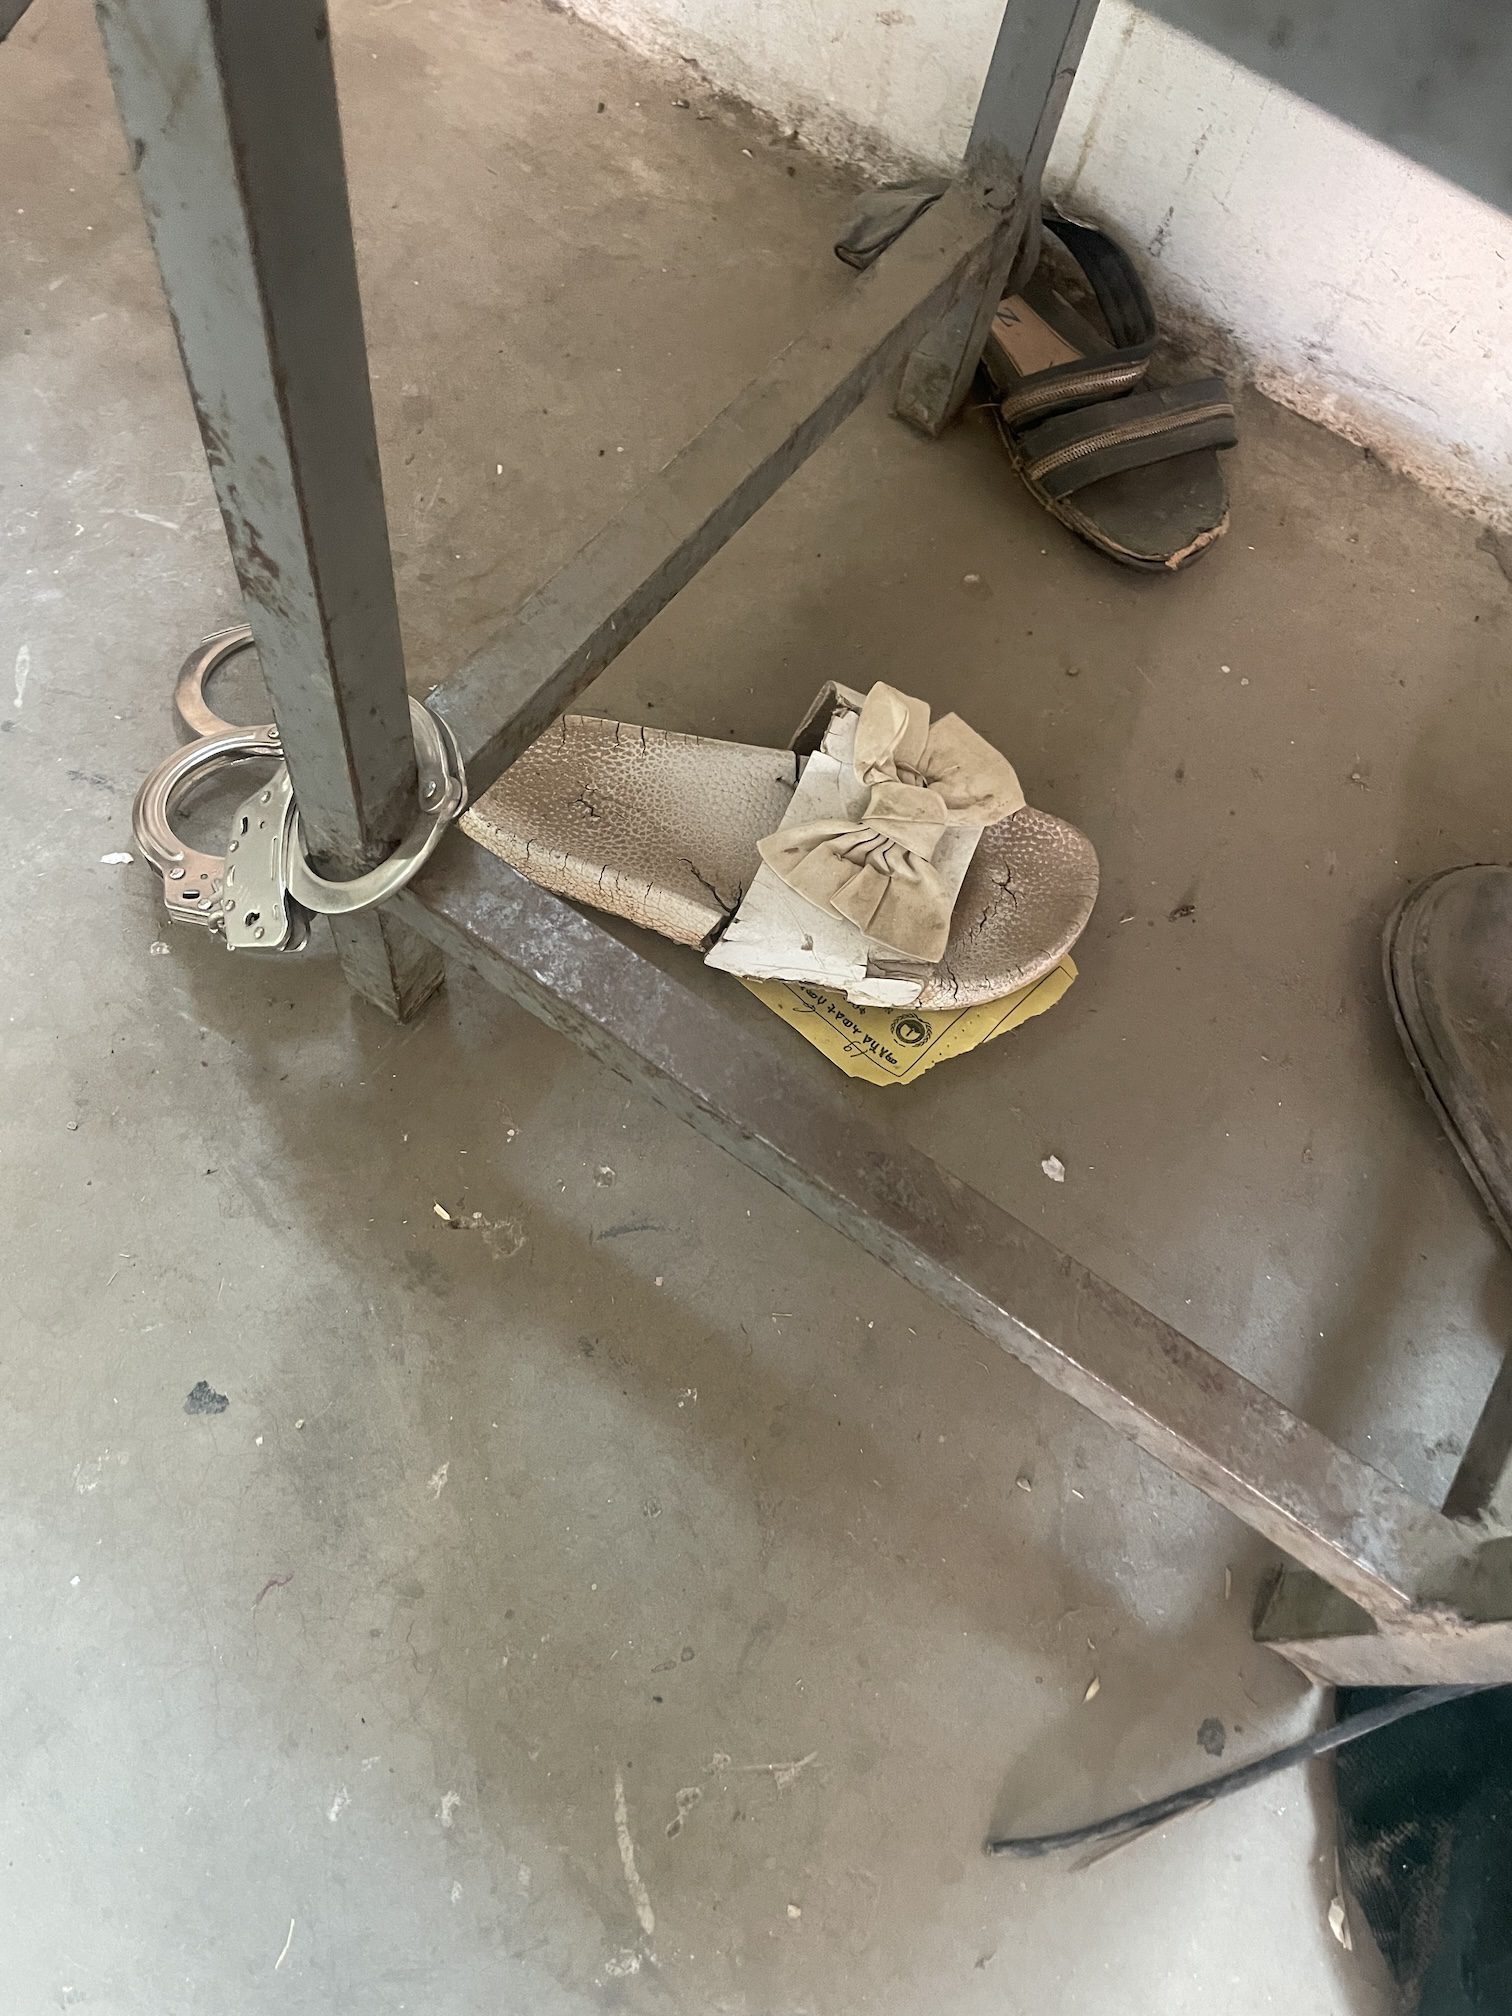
[1326,1508]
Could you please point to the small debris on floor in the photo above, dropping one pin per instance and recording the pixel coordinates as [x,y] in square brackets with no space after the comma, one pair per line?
[117,860]
[639,1895]
[443,1214]
[784,1775]
[203,1399]
[1094,1688]
[1023,1480]
[603,1176]
[1228,1583]
[1211,1735]
[1338,1924]
[436,1483]
[687,1799]
[1054,1168]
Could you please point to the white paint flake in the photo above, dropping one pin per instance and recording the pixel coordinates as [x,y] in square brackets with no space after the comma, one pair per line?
[23,673]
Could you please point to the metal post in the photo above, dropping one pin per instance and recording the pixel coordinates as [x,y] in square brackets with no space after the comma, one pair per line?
[230,111]
[1033,66]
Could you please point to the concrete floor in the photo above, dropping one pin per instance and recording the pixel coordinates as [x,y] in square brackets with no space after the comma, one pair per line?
[320,1703]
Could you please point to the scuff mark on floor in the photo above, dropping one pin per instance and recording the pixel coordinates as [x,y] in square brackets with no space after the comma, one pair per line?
[640,1897]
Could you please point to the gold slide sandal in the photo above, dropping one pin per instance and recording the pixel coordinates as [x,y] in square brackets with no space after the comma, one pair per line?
[868,858]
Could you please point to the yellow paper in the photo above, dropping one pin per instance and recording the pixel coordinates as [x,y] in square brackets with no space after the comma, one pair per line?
[893,1046]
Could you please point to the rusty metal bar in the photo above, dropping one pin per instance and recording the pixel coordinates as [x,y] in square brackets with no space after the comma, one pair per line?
[1028,81]
[564,635]
[1323,1506]
[1333,1641]
[230,110]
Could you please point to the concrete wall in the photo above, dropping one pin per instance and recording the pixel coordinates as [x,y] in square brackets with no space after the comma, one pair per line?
[1356,286]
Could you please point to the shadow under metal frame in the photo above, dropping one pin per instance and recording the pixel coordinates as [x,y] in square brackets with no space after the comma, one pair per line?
[230,111]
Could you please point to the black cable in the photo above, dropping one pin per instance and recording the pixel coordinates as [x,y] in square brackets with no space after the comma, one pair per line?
[1139,1818]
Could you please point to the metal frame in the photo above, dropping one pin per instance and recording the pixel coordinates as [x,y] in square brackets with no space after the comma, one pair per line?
[230,110]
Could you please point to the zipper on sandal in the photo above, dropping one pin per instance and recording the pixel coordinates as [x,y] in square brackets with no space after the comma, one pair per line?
[1131,430]
[1110,376]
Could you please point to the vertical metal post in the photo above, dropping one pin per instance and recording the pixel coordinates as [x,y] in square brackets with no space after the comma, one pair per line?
[1033,66]
[230,110]
[1482,1485]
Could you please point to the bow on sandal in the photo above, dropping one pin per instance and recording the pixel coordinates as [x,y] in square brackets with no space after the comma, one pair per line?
[1131,469]
[878,869]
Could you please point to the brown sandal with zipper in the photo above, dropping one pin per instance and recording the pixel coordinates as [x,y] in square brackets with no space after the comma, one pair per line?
[1132,470]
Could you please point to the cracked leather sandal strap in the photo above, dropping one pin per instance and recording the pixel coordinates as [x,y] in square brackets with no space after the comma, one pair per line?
[1064,455]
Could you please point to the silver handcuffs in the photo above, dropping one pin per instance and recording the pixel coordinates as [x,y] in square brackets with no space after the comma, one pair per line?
[260,893]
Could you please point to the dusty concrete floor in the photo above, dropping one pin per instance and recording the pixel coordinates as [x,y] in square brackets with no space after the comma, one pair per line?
[320,1703]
